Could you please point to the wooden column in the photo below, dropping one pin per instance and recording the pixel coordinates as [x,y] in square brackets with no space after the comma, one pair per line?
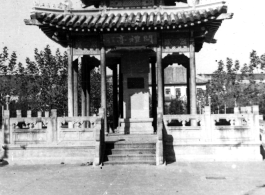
[160,89]
[83,86]
[192,79]
[115,98]
[75,81]
[188,88]
[154,95]
[70,82]
[103,84]
[88,69]
[163,88]
[120,93]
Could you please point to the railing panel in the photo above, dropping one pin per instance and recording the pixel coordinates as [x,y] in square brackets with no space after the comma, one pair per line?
[30,130]
[84,128]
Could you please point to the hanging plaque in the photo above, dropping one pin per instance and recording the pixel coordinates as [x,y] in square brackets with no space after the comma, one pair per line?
[175,42]
[130,39]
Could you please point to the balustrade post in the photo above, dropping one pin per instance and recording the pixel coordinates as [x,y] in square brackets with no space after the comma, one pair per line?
[248,110]
[54,122]
[29,113]
[208,124]
[236,112]
[18,112]
[256,126]
[39,122]
[46,114]
[243,110]
[7,134]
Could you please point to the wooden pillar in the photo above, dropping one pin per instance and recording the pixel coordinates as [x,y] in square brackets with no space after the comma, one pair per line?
[88,69]
[163,88]
[70,82]
[75,84]
[83,86]
[115,98]
[192,79]
[120,93]
[160,89]
[154,95]
[188,88]
[103,84]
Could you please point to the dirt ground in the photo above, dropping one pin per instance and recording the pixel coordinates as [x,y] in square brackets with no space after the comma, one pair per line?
[230,178]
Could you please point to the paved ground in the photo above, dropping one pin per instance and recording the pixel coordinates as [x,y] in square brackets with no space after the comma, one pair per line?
[178,178]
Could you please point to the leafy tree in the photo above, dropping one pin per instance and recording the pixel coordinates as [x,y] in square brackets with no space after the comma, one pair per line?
[177,106]
[95,92]
[47,80]
[228,87]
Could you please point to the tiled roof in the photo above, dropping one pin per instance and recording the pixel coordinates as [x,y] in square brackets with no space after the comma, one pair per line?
[123,20]
[96,3]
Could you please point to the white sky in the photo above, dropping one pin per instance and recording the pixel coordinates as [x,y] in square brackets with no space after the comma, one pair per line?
[236,38]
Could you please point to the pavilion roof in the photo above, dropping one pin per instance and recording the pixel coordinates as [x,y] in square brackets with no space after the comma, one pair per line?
[97,2]
[114,20]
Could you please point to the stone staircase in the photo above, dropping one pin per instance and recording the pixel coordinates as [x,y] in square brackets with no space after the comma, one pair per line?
[130,149]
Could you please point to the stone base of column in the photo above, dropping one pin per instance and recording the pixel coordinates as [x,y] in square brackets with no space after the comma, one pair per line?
[136,126]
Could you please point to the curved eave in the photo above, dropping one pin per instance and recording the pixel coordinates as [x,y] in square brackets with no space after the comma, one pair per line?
[163,19]
[96,3]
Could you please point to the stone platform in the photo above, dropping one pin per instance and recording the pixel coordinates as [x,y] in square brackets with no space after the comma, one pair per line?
[136,126]
[49,154]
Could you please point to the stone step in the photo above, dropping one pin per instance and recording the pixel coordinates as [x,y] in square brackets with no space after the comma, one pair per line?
[119,137]
[134,145]
[131,157]
[134,151]
[135,162]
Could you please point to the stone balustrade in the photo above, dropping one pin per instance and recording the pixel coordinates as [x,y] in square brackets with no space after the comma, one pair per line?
[47,132]
[243,125]
[216,136]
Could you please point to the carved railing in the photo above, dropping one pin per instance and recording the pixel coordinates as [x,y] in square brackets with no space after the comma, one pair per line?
[50,130]
[29,130]
[184,120]
[76,128]
[215,127]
